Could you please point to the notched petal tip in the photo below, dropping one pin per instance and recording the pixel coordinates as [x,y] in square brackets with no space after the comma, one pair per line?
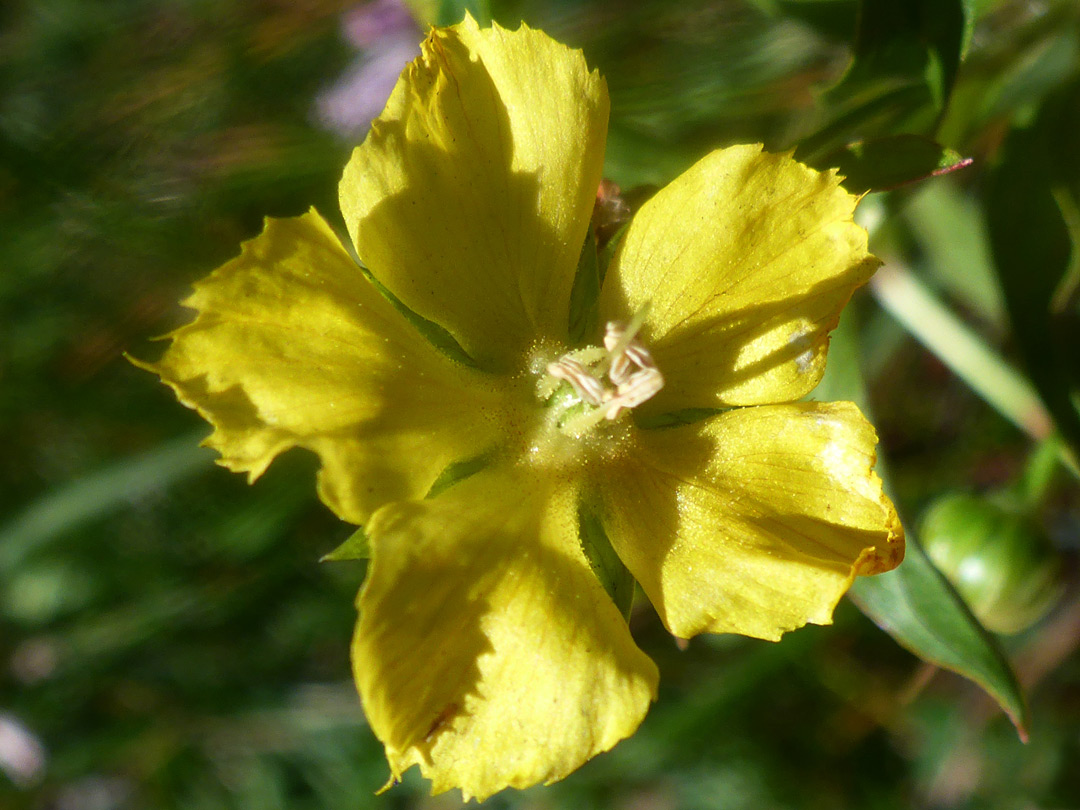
[292,346]
[888,554]
[470,199]
[749,258]
[755,521]
[487,653]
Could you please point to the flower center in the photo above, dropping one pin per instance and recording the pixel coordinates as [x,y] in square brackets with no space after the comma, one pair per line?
[603,383]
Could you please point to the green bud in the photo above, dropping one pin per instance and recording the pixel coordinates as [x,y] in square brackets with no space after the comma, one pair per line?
[1001,561]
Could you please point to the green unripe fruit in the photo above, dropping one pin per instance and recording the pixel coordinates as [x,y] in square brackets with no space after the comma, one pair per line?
[1000,561]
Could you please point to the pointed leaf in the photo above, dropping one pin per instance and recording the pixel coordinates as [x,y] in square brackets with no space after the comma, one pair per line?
[914,603]
[921,611]
[885,163]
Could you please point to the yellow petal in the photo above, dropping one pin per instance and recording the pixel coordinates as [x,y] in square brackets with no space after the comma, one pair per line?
[755,521]
[746,261]
[292,346]
[487,652]
[471,196]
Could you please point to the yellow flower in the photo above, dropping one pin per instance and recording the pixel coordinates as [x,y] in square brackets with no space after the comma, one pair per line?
[503,486]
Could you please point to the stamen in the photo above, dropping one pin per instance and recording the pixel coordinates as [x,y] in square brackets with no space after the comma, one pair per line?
[574,372]
[633,354]
[618,337]
[640,387]
[632,376]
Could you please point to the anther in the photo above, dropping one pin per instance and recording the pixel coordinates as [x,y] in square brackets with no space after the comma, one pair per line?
[589,388]
[639,387]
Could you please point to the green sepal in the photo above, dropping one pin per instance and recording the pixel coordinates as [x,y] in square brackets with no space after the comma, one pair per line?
[685,416]
[585,293]
[435,334]
[609,569]
[607,253]
[355,547]
[458,471]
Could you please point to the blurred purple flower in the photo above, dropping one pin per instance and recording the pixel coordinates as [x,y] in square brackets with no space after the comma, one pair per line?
[22,756]
[388,38]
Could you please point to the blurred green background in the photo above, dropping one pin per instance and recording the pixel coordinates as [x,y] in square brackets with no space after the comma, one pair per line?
[168,638]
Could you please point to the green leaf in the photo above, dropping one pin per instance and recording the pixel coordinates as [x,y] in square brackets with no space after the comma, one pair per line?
[886,108]
[1034,224]
[910,39]
[949,225]
[832,19]
[914,603]
[917,607]
[885,163]
[100,493]
[451,12]
[904,65]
